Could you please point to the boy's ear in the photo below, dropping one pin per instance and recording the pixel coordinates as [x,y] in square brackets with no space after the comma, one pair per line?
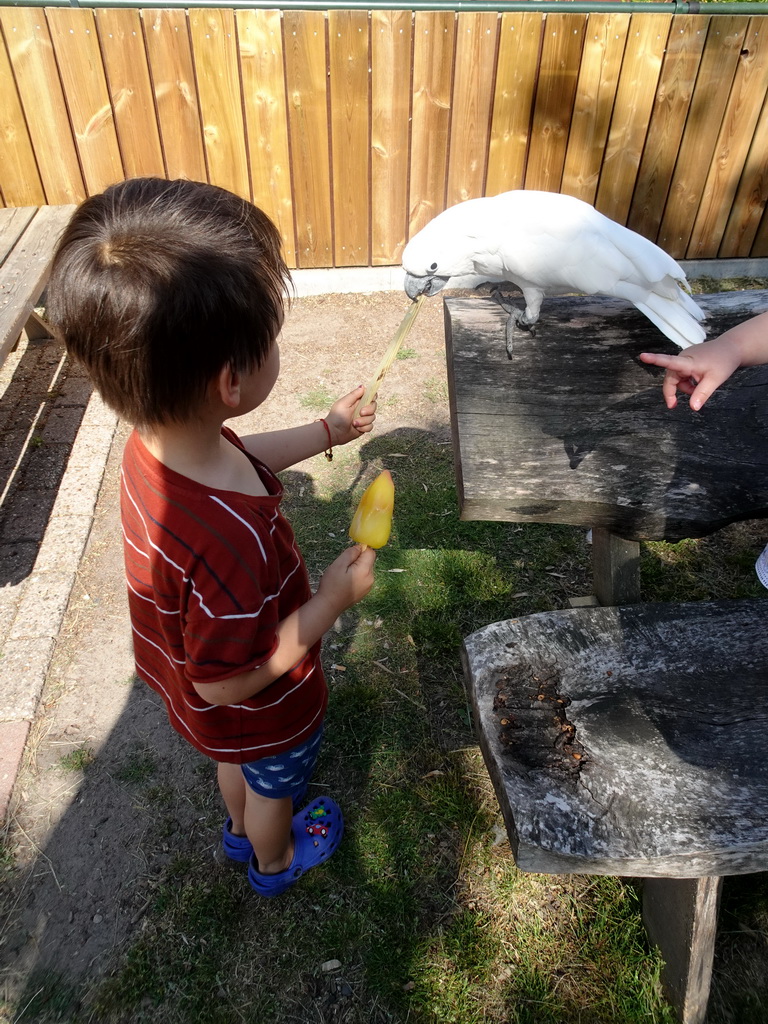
[227,386]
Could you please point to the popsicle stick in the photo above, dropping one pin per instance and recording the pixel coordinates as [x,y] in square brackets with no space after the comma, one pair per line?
[390,355]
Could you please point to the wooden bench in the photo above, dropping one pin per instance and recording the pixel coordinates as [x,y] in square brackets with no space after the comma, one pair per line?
[28,237]
[620,738]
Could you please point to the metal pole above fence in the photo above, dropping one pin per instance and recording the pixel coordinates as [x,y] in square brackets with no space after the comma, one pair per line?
[752,7]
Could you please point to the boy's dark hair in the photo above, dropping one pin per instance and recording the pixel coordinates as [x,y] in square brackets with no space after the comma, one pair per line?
[156,285]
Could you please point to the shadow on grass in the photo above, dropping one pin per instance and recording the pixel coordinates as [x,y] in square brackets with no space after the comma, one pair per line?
[123,917]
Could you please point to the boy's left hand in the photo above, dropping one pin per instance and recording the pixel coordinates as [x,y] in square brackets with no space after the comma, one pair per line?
[343,423]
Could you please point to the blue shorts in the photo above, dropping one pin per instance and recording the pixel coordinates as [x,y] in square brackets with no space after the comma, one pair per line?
[285,774]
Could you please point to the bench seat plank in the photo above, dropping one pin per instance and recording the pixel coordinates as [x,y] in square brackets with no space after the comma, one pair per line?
[628,741]
[573,428]
[13,223]
[25,270]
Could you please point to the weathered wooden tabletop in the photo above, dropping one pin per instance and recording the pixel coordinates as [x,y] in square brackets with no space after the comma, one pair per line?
[573,428]
[628,741]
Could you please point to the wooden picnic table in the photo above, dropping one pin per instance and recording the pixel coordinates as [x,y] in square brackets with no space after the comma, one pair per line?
[624,738]
[28,238]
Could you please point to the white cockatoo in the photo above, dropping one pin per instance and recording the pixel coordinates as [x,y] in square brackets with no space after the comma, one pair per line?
[547,243]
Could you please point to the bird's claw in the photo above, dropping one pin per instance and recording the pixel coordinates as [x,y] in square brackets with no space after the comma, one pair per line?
[516,321]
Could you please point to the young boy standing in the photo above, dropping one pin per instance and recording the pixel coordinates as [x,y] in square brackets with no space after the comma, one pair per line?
[171,294]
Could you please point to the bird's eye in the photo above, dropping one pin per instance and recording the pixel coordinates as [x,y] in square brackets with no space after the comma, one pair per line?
[433,267]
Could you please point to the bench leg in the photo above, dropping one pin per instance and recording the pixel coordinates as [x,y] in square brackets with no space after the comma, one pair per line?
[615,568]
[36,329]
[680,916]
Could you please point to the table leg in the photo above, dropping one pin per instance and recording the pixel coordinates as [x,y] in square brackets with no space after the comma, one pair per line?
[680,916]
[615,568]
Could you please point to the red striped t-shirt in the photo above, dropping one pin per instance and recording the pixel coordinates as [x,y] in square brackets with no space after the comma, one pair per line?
[210,575]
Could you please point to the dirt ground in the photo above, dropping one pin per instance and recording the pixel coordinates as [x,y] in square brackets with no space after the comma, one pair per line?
[79,836]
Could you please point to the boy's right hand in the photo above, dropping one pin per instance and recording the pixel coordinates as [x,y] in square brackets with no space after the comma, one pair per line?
[349,578]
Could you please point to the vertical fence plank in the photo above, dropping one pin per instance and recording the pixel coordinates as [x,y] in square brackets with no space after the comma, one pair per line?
[710,95]
[260,40]
[752,197]
[37,78]
[130,89]
[516,68]
[433,52]
[391,39]
[214,52]
[640,72]
[520,100]
[668,117]
[348,47]
[305,67]
[170,61]
[760,245]
[555,93]
[20,183]
[476,42]
[73,33]
[741,115]
[604,41]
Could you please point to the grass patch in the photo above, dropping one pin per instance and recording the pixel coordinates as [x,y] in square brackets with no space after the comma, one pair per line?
[137,768]
[77,760]
[422,905]
[319,398]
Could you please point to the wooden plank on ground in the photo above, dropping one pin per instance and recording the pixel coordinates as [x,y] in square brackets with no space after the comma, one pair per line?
[37,79]
[640,70]
[306,77]
[476,38]
[710,96]
[433,55]
[555,92]
[604,42]
[745,102]
[348,45]
[125,63]
[73,32]
[214,52]
[20,182]
[751,199]
[26,270]
[260,39]
[391,38]
[670,110]
[173,75]
[516,70]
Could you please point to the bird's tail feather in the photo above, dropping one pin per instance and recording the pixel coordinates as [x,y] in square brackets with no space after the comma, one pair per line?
[684,296]
[674,319]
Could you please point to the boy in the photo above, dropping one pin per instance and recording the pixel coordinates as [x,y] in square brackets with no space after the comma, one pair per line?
[700,370]
[172,293]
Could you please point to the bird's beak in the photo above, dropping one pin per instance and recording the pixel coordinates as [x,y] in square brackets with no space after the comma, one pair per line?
[427,285]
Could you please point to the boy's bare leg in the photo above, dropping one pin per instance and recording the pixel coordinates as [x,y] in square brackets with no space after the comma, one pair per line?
[232,786]
[268,826]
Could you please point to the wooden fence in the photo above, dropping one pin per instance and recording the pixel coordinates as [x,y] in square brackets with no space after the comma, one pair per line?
[353,128]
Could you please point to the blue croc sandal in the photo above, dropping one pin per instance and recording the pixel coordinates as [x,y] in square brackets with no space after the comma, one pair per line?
[317,832]
[237,849]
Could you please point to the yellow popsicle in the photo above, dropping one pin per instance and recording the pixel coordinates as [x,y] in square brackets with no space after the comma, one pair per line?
[372,523]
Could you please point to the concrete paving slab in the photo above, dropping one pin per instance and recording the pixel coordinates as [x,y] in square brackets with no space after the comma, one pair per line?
[49,484]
